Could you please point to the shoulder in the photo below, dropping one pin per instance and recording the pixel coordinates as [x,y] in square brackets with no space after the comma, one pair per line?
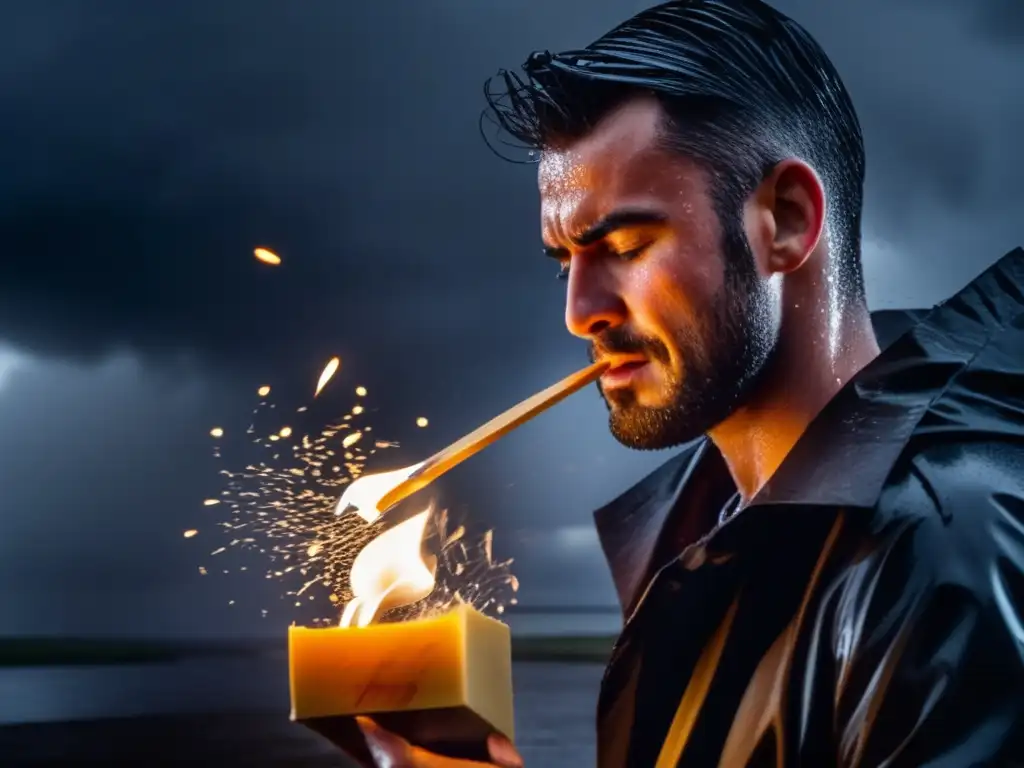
[945,543]
[922,620]
[951,509]
[959,487]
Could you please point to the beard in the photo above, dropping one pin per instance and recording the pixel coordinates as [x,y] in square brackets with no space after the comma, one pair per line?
[721,358]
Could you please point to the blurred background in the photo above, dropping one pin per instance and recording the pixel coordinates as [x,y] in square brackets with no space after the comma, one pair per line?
[148,148]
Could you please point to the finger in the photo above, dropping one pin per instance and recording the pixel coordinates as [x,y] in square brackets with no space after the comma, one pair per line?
[390,750]
[503,753]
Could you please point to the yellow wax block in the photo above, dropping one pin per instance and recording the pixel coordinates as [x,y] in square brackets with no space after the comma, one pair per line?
[439,682]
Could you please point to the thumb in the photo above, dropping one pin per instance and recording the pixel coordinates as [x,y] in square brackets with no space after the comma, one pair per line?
[388,749]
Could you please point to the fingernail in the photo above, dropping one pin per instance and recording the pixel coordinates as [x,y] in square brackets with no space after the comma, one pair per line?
[503,752]
[378,740]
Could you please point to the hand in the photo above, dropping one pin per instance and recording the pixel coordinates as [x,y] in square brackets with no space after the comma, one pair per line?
[392,751]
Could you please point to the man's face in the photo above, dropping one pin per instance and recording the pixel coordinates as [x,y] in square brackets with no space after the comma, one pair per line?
[661,288]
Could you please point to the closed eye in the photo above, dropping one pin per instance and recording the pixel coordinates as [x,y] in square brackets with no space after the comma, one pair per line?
[563,272]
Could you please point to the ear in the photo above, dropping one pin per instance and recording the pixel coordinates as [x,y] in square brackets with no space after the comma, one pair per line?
[790,205]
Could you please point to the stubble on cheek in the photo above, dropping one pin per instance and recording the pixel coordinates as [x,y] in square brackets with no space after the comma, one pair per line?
[686,288]
[679,300]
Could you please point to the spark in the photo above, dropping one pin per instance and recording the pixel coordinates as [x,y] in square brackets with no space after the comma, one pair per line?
[263,391]
[328,373]
[285,432]
[266,256]
[190,533]
[278,507]
[210,502]
[216,432]
[361,391]
[422,421]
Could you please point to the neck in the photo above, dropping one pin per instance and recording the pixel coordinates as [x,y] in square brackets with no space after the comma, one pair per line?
[809,369]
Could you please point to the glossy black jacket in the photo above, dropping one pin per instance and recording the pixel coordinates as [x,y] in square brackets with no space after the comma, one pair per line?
[865,609]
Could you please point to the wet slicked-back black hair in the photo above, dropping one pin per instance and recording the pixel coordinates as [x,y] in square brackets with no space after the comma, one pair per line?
[743,87]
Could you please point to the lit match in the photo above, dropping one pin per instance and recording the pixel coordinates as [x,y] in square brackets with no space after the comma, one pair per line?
[373,495]
[444,682]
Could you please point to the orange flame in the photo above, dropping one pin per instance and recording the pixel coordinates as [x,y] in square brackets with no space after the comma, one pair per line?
[365,493]
[390,572]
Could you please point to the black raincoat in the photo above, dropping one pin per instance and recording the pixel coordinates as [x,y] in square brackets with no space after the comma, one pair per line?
[865,609]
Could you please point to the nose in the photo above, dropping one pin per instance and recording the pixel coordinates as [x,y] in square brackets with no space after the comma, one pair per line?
[593,303]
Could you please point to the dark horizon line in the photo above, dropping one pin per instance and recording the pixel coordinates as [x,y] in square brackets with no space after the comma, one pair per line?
[520,608]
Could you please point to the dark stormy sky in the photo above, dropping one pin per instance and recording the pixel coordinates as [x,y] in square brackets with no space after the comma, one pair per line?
[148,147]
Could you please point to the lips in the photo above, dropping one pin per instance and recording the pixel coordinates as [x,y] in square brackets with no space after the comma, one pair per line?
[631,365]
[622,372]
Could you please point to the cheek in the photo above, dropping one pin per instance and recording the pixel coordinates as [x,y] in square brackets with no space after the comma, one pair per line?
[675,288]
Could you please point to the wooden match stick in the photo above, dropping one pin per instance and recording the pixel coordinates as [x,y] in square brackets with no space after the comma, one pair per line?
[480,438]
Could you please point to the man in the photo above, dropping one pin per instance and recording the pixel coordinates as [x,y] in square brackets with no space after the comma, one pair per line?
[830,576]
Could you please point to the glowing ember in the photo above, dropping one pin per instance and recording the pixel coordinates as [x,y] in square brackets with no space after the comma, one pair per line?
[422,421]
[216,432]
[328,373]
[390,573]
[190,533]
[285,432]
[361,391]
[351,440]
[210,502]
[263,391]
[266,256]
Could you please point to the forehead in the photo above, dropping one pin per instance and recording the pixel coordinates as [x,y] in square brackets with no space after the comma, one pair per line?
[620,164]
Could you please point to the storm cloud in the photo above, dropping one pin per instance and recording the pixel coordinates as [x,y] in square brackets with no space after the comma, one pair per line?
[148,148]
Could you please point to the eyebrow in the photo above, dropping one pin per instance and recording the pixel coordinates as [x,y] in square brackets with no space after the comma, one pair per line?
[623,219]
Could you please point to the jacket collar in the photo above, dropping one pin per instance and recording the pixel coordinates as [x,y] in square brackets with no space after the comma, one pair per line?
[866,426]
